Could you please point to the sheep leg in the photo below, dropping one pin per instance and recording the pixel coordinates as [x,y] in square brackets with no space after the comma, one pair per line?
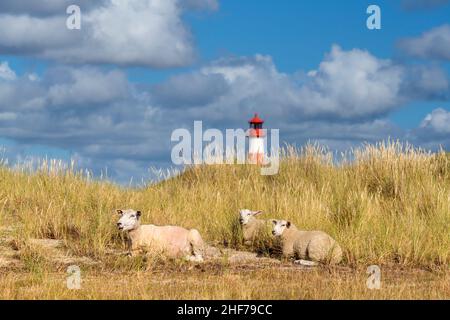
[197,258]
[196,243]
[248,243]
[211,252]
[133,252]
[306,263]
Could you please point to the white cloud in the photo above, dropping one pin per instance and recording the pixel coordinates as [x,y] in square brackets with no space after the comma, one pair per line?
[45,7]
[433,44]
[33,77]
[133,32]
[194,89]
[6,73]
[434,131]
[352,84]
[347,86]
[438,121]
[87,86]
[106,121]
[7,116]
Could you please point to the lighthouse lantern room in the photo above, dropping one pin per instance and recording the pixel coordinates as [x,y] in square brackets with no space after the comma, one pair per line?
[256,134]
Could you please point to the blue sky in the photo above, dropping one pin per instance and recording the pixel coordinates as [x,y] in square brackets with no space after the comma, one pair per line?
[110,94]
[298,33]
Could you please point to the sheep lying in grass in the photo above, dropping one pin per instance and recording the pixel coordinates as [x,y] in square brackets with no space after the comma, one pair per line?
[252,228]
[256,233]
[174,242]
[310,247]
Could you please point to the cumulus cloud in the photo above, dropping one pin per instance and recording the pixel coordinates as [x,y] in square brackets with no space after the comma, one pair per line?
[96,115]
[6,73]
[356,84]
[425,83]
[45,7]
[434,131]
[106,121]
[86,87]
[194,89]
[433,44]
[347,86]
[438,121]
[352,84]
[56,7]
[8,116]
[133,32]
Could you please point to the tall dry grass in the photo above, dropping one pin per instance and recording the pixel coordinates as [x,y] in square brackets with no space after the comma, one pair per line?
[387,203]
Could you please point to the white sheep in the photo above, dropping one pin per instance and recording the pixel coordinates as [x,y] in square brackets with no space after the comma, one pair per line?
[254,230]
[310,247]
[175,242]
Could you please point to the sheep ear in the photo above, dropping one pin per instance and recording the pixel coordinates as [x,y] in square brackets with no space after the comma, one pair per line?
[257,213]
[120,212]
[138,214]
[288,224]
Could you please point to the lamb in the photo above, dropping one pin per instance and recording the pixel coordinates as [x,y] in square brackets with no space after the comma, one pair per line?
[311,247]
[172,241]
[252,228]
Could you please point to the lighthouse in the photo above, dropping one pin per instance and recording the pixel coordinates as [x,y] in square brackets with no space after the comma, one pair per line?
[256,136]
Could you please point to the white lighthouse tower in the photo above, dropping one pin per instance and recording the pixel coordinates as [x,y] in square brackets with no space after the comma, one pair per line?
[256,134]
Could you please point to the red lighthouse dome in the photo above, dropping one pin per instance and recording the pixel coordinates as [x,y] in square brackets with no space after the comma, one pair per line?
[256,126]
[256,120]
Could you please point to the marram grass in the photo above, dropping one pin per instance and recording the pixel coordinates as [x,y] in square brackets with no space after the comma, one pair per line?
[386,204]
[390,204]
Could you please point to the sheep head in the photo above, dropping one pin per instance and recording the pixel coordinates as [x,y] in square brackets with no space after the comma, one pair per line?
[129,219]
[245,216]
[279,226]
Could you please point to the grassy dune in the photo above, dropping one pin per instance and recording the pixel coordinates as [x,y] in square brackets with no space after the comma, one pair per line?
[389,205]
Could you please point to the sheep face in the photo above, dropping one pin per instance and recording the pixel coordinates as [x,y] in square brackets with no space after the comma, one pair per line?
[246,215]
[129,219]
[279,226]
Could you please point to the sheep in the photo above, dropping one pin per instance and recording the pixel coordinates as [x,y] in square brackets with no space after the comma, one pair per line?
[311,247]
[173,241]
[252,228]
[256,233]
